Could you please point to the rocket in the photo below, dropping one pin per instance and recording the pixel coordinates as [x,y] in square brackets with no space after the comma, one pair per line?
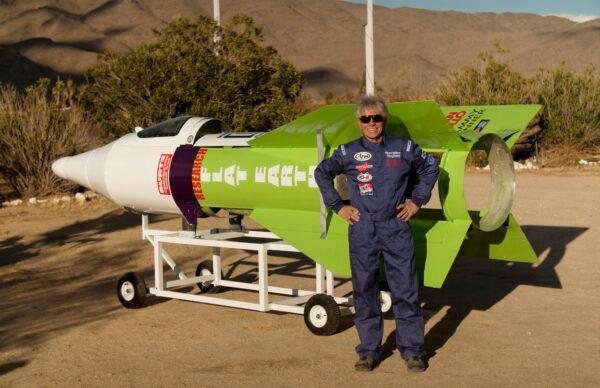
[195,166]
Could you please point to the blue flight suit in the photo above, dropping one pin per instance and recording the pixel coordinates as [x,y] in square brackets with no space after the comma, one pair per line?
[379,176]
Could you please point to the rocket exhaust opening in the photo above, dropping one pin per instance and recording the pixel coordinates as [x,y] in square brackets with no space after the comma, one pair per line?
[501,191]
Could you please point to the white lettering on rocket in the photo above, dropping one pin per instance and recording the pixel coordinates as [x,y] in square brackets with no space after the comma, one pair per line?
[229,179]
[240,175]
[204,175]
[273,176]
[260,175]
[218,176]
[299,176]
[287,175]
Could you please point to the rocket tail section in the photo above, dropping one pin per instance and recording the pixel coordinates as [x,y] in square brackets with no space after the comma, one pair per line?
[507,121]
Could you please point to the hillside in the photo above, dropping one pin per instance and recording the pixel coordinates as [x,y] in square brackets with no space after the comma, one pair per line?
[323,38]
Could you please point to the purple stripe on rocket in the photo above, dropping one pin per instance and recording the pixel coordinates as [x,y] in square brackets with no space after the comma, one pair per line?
[180,181]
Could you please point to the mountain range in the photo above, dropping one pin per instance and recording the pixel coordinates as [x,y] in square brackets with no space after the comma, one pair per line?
[323,38]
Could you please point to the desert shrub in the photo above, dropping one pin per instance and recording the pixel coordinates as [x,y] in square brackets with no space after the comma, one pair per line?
[235,79]
[36,128]
[571,101]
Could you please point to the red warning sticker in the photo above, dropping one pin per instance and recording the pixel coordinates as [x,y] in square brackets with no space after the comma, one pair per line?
[196,174]
[455,117]
[162,174]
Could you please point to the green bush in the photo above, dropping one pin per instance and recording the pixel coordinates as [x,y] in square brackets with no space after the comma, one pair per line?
[37,128]
[236,79]
[571,101]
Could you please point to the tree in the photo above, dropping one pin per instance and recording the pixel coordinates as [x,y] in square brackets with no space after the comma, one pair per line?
[236,79]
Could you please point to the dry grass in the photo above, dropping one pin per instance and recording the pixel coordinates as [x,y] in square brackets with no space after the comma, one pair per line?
[37,128]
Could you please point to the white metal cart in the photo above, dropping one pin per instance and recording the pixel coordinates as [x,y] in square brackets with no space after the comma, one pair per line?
[321,308]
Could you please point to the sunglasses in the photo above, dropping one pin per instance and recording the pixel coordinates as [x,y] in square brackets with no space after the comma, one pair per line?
[375,118]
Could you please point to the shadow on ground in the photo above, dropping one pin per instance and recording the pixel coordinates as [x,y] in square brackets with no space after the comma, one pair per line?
[78,286]
[14,249]
[478,284]
[69,281]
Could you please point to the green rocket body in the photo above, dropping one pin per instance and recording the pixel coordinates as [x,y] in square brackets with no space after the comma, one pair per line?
[272,180]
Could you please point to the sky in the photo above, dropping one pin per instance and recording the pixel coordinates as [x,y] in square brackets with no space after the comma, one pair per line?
[576,10]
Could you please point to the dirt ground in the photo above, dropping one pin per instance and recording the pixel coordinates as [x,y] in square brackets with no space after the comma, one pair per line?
[492,324]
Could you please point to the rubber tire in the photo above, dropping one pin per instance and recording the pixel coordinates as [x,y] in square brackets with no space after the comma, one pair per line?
[332,309]
[206,264]
[140,291]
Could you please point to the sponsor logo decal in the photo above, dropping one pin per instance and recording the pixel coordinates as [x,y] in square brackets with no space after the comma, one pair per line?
[423,154]
[364,167]
[162,174]
[365,188]
[362,156]
[394,163]
[481,125]
[196,174]
[471,120]
[393,154]
[364,177]
[454,117]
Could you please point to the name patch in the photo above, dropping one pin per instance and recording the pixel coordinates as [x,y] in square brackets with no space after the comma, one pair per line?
[393,154]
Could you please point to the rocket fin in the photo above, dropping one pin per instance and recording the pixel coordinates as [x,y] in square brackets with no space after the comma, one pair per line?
[300,229]
[507,121]
[507,243]
[437,242]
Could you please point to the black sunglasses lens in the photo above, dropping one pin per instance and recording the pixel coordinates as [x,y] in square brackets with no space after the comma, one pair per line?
[367,119]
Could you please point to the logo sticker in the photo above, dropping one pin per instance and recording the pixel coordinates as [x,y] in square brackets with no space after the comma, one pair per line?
[481,125]
[364,167]
[364,177]
[362,156]
[162,174]
[197,174]
[394,163]
[365,188]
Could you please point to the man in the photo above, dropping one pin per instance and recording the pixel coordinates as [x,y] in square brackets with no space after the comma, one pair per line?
[379,168]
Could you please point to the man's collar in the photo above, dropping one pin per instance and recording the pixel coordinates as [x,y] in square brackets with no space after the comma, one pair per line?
[371,145]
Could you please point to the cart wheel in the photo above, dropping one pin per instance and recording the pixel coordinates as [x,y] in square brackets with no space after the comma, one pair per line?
[132,290]
[206,268]
[322,315]
[386,301]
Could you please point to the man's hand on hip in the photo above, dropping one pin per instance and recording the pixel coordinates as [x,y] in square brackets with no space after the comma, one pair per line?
[406,210]
[349,213]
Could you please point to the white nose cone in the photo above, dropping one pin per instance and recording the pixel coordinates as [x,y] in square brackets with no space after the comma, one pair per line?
[86,169]
[58,167]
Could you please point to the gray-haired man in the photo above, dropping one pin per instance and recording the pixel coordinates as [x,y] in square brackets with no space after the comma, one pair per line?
[378,168]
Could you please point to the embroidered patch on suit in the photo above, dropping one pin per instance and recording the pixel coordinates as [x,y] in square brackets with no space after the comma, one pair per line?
[365,188]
